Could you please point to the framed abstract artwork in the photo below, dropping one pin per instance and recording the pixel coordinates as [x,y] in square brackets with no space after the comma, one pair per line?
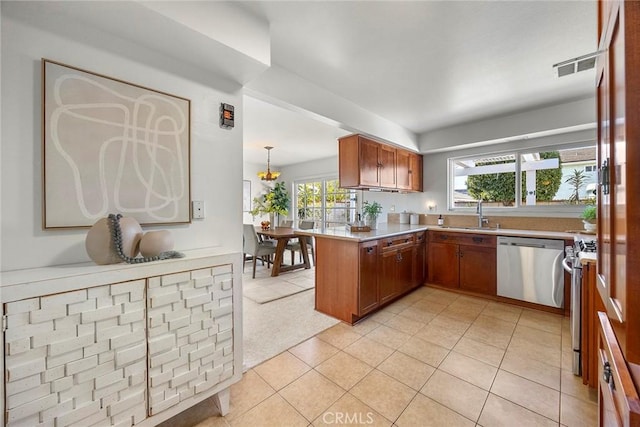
[110,146]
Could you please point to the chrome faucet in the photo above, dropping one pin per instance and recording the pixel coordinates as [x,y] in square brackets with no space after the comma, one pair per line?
[481,220]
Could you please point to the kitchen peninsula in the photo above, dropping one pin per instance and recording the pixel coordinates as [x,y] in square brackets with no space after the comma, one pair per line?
[358,272]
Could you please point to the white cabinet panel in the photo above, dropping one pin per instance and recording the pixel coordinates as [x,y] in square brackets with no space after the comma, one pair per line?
[190,321]
[77,357]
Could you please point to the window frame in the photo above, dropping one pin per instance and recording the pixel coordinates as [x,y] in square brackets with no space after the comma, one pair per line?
[518,207]
[323,205]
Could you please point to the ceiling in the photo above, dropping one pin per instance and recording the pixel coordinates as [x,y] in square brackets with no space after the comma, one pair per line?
[423,65]
[417,65]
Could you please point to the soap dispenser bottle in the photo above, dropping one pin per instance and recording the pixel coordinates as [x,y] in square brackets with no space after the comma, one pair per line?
[440,220]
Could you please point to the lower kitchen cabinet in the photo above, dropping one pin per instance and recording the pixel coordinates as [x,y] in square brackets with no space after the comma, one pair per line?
[353,278]
[443,262]
[462,261]
[120,344]
[478,269]
[368,290]
[396,275]
[420,259]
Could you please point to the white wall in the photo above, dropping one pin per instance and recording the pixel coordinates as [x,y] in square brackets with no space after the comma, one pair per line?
[461,142]
[526,124]
[216,154]
[258,188]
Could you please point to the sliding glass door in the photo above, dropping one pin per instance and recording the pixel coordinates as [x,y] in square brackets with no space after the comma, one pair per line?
[324,202]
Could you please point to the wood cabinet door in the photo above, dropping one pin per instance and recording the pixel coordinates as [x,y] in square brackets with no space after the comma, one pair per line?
[478,269]
[591,304]
[369,163]
[404,273]
[387,281]
[403,167]
[387,170]
[368,296]
[443,264]
[618,401]
[618,133]
[419,260]
[415,171]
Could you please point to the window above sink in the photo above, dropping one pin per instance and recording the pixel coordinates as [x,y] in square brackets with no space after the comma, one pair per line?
[546,178]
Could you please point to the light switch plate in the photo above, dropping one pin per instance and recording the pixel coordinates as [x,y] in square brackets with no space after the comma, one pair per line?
[197,209]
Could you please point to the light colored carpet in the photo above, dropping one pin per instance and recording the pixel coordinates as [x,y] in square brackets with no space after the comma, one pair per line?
[266,289]
[269,329]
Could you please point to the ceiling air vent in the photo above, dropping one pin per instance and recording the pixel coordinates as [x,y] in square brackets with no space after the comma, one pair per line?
[575,65]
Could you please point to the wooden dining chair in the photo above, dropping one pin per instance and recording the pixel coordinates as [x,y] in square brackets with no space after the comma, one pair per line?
[254,247]
[295,246]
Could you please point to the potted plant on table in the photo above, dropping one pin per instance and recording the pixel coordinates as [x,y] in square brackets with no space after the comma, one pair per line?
[275,202]
[371,211]
[588,216]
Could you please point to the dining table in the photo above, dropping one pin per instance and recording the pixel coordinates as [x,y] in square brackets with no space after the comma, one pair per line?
[282,235]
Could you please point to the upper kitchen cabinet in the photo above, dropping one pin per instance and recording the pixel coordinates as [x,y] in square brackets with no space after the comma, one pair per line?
[408,170]
[618,109]
[365,163]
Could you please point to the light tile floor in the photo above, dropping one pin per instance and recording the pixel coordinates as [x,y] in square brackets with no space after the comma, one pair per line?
[433,358]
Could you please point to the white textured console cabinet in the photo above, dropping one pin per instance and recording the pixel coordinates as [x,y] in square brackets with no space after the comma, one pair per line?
[125,344]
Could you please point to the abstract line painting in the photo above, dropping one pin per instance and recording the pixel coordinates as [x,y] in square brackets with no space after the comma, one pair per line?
[112,147]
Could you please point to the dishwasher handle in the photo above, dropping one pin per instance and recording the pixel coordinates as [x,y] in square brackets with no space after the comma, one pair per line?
[526,245]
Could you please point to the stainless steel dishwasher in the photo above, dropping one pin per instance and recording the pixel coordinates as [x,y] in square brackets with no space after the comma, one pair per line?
[530,269]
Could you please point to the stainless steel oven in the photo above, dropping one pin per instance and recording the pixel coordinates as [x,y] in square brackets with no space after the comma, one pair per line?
[571,264]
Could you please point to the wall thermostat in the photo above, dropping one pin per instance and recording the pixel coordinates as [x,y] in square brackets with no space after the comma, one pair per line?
[226,116]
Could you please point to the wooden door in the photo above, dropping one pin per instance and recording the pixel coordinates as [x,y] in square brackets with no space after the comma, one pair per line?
[403,167]
[369,163]
[415,171]
[368,280]
[387,169]
[443,264]
[478,269]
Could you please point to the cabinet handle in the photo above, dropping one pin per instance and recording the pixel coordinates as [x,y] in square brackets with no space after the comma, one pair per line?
[461,254]
[606,374]
[389,242]
[604,176]
[478,239]
[443,237]
[399,257]
[369,249]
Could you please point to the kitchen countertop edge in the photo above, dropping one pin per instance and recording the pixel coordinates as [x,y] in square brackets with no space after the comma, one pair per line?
[389,230]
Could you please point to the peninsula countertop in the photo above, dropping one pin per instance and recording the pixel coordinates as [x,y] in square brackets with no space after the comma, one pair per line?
[388,230]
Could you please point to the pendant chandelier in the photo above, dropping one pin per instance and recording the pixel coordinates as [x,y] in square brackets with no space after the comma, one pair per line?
[268,175]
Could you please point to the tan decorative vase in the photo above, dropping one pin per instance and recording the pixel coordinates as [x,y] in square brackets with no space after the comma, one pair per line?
[99,245]
[153,243]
